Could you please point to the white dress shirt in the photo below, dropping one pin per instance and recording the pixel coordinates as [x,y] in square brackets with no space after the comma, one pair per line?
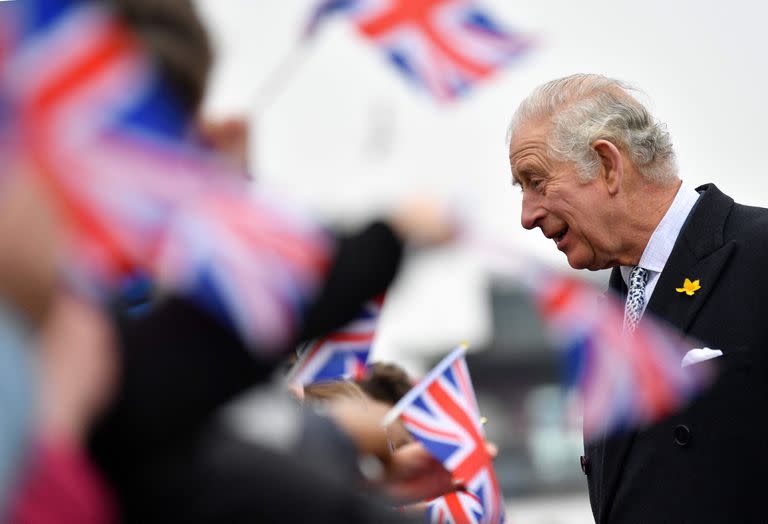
[663,239]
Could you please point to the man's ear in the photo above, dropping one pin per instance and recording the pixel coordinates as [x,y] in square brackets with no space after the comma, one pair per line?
[612,164]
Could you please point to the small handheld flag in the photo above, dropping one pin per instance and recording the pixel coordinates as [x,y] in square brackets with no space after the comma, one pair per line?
[342,355]
[441,412]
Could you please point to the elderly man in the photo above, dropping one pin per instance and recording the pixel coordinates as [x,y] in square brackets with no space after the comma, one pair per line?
[598,177]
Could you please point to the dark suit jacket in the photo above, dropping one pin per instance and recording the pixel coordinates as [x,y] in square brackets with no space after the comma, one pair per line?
[708,463]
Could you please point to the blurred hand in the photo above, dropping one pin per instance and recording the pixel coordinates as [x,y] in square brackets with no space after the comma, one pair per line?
[411,473]
[297,390]
[361,420]
[424,222]
[229,137]
[78,366]
[414,475]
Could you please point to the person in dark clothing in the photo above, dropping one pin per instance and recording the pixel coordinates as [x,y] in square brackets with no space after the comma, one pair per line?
[598,176]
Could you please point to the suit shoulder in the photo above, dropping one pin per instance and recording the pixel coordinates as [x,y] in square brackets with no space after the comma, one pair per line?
[747,223]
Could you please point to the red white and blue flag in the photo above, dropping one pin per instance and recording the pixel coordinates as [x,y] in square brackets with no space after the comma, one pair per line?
[443,46]
[342,355]
[625,380]
[110,139]
[459,507]
[441,412]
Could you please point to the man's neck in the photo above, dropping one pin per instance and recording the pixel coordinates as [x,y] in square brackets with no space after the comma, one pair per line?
[647,204]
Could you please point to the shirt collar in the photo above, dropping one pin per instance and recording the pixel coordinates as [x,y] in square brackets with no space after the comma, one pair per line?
[663,239]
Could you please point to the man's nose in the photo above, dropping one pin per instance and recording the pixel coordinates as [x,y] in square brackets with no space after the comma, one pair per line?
[532,211]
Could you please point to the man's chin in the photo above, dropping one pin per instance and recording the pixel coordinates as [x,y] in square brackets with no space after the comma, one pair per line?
[582,262]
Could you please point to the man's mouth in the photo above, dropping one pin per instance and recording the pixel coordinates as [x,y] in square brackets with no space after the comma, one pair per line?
[558,237]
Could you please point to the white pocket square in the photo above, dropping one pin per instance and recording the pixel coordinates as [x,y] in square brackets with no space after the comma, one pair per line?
[697,355]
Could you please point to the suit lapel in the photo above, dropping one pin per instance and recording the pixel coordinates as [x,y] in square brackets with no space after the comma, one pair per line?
[679,309]
[699,253]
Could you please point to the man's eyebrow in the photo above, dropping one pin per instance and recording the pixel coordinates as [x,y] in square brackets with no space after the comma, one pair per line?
[521,175]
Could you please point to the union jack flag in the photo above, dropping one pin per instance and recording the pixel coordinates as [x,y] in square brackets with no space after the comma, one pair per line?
[112,142]
[459,507]
[443,46]
[625,380]
[342,355]
[441,412]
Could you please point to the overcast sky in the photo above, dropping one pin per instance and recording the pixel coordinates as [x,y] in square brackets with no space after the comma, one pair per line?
[347,135]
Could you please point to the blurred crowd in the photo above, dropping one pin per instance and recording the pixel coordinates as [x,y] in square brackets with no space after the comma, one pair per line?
[149,408]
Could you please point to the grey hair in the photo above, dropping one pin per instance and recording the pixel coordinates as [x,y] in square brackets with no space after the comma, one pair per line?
[585,108]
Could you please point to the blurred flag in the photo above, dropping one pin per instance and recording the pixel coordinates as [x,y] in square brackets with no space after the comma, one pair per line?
[441,412]
[342,355]
[325,9]
[443,46]
[625,380]
[459,507]
[115,147]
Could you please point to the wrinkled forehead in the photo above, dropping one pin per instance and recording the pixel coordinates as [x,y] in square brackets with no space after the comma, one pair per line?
[528,139]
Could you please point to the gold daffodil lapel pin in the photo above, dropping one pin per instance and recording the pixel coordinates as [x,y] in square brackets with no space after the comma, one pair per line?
[689,288]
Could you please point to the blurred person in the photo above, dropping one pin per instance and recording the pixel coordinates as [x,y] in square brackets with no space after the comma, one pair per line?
[55,365]
[598,176]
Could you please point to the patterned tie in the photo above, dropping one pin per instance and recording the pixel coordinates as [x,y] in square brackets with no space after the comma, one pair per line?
[633,309]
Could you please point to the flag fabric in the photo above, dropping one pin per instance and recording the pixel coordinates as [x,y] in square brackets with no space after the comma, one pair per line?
[625,380]
[442,46]
[441,412]
[110,139]
[459,507]
[342,355]
[325,9]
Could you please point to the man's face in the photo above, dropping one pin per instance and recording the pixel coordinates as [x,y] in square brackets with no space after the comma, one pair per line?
[576,215]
